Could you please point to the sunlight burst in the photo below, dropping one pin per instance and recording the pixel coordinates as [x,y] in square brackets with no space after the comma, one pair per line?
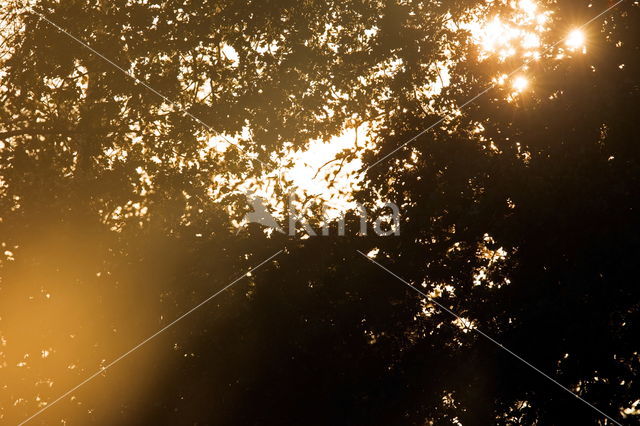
[520,83]
[576,39]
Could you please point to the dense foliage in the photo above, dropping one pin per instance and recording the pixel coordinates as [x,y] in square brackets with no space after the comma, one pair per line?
[520,213]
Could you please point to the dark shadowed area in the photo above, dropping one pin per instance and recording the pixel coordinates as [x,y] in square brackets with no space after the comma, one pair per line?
[133,134]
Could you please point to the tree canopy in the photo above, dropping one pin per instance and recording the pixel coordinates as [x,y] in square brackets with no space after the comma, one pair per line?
[127,127]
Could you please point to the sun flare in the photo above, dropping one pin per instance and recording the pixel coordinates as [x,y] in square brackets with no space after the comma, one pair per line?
[520,84]
[575,40]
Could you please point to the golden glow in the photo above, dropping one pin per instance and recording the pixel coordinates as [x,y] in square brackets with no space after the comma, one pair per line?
[501,79]
[528,6]
[317,173]
[511,33]
[520,83]
[575,40]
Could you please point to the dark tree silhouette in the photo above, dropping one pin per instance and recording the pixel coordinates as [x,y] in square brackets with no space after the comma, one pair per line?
[520,215]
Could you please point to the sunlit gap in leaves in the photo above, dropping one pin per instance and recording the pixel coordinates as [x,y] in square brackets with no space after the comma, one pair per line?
[516,34]
[323,172]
